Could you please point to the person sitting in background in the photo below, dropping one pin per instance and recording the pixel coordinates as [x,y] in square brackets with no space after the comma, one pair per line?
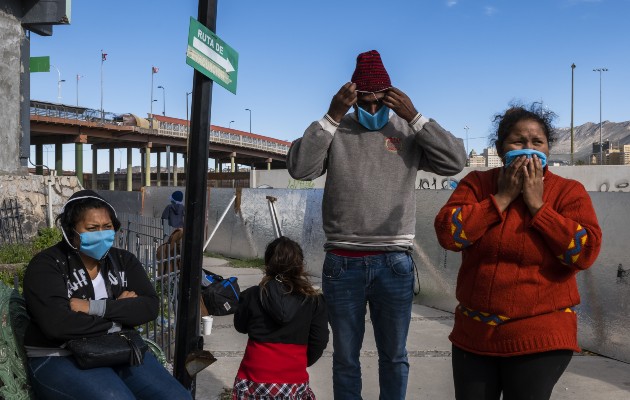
[83,287]
[174,212]
[524,234]
[286,321]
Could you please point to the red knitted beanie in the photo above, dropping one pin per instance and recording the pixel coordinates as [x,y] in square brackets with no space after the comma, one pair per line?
[370,74]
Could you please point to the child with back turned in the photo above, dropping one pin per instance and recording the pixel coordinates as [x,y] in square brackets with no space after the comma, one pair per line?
[287,324]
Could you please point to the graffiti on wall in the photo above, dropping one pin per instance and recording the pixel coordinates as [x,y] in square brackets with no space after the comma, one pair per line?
[622,274]
[446,183]
[295,184]
[619,186]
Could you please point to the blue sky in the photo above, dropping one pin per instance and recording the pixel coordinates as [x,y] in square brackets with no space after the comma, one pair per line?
[460,61]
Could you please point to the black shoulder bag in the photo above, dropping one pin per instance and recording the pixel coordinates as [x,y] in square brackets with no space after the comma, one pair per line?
[125,347]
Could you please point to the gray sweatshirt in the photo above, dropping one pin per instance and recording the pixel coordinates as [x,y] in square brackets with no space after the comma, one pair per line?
[369,199]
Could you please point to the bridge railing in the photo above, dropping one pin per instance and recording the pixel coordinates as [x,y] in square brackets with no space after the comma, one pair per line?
[246,141]
[164,128]
[172,129]
[74,113]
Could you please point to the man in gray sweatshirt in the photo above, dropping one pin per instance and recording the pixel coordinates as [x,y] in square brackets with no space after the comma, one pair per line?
[371,157]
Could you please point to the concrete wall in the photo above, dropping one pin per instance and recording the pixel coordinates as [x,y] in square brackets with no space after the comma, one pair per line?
[605,178]
[10,67]
[31,193]
[604,314]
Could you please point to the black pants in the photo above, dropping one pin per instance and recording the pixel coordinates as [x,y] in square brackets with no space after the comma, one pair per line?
[530,376]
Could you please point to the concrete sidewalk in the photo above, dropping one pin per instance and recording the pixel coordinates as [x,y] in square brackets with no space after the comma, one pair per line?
[588,377]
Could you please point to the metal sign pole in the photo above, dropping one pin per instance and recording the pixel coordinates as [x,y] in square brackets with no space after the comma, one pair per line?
[187,338]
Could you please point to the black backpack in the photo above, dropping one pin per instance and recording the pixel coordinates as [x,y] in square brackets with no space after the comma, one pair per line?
[220,296]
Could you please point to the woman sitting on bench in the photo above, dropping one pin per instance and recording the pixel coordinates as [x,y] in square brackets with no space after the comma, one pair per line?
[82,287]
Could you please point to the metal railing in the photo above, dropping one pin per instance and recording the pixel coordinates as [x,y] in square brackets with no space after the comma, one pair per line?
[163,128]
[161,262]
[74,113]
[11,219]
[247,141]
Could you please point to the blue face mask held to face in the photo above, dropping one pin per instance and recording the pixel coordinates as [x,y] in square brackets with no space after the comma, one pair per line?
[376,121]
[513,154]
[96,244]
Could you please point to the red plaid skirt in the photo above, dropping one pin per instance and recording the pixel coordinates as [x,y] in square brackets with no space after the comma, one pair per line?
[247,390]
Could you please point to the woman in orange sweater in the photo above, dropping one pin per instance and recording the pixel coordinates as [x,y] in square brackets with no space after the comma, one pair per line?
[524,234]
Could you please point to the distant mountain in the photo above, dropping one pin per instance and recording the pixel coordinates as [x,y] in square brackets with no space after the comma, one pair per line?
[585,135]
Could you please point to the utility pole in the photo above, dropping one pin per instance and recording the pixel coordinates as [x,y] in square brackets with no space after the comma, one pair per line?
[572,69]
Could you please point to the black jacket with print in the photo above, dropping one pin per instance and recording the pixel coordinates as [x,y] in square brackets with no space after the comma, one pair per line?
[277,317]
[57,274]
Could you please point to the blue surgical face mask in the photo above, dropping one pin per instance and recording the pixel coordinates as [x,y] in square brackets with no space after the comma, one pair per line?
[513,154]
[96,244]
[376,121]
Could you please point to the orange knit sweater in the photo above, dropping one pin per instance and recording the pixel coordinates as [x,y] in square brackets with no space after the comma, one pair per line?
[516,286]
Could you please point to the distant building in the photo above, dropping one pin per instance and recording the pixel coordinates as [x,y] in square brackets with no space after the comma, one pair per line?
[619,155]
[605,151]
[491,157]
[476,160]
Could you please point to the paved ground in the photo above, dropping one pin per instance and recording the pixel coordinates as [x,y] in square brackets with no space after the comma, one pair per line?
[588,377]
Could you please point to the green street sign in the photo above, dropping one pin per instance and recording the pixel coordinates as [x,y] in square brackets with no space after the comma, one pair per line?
[211,56]
[39,64]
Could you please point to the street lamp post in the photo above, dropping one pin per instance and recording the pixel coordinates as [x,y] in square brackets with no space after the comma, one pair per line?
[59,81]
[250,119]
[230,124]
[466,128]
[78,77]
[572,70]
[187,120]
[152,101]
[600,70]
[163,100]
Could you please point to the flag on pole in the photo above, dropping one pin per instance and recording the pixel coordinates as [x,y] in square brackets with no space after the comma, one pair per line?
[103,56]
[154,70]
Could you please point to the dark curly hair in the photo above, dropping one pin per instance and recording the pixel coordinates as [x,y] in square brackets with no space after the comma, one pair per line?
[504,122]
[284,262]
[75,210]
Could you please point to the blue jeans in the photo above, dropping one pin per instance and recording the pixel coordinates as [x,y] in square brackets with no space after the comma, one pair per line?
[385,282]
[60,378]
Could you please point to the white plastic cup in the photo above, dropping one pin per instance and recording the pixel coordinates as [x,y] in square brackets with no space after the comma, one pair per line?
[207,324]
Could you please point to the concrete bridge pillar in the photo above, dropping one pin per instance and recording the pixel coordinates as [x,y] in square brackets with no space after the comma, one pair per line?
[129,170]
[59,159]
[232,156]
[268,161]
[142,173]
[174,168]
[78,161]
[112,182]
[94,167]
[158,169]
[147,164]
[39,159]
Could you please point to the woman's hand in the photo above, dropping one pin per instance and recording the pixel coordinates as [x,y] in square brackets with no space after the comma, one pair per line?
[80,305]
[533,185]
[127,295]
[510,182]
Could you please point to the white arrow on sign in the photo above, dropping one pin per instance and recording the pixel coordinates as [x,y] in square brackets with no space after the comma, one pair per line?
[211,54]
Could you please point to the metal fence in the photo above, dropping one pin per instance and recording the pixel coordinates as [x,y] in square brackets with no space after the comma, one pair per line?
[145,238]
[11,219]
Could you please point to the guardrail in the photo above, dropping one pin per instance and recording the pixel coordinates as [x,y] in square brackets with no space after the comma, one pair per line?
[164,128]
